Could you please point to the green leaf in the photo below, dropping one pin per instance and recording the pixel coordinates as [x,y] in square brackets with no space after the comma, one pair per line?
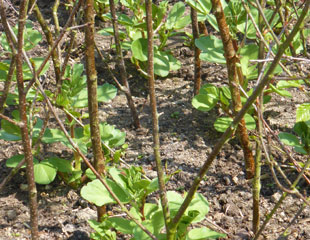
[203,233]
[9,137]
[10,128]
[283,93]
[204,102]
[175,14]
[161,66]
[112,136]
[96,193]
[201,6]
[182,22]
[209,89]
[212,49]
[288,84]
[289,139]
[44,173]
[139,49]
[12,162]
[123,225]
[110,32]
[106,92]
[116,175]
[62,165]
[32,37]
[303,112]
[222,123]
[199,204]
[54,135]
[249,122]
[89,173]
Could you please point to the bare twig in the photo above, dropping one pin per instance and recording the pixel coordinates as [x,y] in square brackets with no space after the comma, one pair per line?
[32,190]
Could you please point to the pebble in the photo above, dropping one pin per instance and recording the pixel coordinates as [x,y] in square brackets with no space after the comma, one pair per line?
[11,215]
[86,214]
[227,180]
[235,180]
[69,228]
[275,197]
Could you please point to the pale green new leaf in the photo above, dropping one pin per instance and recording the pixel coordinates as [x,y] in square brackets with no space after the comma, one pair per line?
[203,234]
[204,102]
[175,14]
[139,49]
[303,112]
[96,193]
[161,66]
[44,173]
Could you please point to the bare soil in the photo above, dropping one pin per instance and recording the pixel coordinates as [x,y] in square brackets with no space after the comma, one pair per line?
[187,137]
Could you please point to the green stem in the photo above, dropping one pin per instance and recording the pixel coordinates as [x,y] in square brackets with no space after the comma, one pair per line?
[151,80]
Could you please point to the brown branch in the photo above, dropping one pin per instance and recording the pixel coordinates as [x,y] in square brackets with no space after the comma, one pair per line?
[122,68]
[49,37]
[234,77]
[18,124]
[156,143]
[61,35]
[99,159]
[33,205]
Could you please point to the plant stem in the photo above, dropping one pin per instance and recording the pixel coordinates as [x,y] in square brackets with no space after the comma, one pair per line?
[99,160]
[197,64]
[50,41]
[122,68]
[151,81]
[52,48]
[227,134]
[257,174]
[7,84]
[33,205]
[234,77]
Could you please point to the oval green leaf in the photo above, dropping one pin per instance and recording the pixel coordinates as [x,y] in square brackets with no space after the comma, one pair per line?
[44,173]
[161,66]
[289,139]
[203,233]
[204,102]
[303,112]
[96,193]
[139,49]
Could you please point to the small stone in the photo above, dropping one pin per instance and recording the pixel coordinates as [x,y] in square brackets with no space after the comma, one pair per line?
[227,180]
[69,228]
[11,215]
[86,214]
[275,197]
[235,180]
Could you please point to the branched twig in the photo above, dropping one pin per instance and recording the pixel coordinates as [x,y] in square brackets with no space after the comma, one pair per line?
[18,124]
[61,35]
